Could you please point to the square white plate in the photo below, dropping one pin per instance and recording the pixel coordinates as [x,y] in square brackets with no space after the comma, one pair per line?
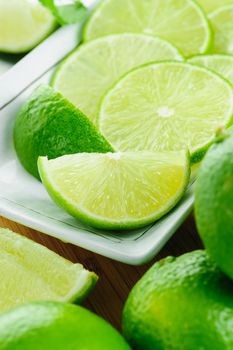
[24,199]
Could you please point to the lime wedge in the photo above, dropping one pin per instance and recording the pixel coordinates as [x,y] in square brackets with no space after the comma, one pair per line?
[166,106]
[23,24]
[221,64]
[117,191]
[31,272]
[222,23]
[212,5]
[93,68]
[182,22]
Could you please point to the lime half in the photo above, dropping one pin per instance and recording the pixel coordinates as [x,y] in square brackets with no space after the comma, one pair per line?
[222,64]
[212,5]
[116,190]
[23,24]
[166,106]
[31,272]
[182,22]
[222,23]
[93,68]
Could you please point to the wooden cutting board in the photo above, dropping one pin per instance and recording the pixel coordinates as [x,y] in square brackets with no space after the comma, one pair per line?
[116,279]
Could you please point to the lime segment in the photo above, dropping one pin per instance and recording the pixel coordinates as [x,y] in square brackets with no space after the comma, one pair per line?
[181,22]
[31,272]
[93,68]
[222,64]
[166,106]
[212,5]
[23,24]
[222,23]
[116,190]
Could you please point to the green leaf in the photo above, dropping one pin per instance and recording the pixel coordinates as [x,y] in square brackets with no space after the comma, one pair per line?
[67,12]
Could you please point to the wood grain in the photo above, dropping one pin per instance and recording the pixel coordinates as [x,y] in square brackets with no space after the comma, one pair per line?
[116,279]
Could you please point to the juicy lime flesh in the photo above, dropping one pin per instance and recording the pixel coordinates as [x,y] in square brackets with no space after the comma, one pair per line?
[222,23]
[222,64]
[212,5]
[116,190]
[23,24]
[31,272]
[181,22]
[93,68]
[166,106]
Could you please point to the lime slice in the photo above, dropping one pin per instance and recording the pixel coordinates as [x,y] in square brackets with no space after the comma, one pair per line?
[182,22]
[31,272]
[222,64]
[91,70]
[222,23]
[49,125]
[117,190]
[212,5]
[23,24]
[166,106]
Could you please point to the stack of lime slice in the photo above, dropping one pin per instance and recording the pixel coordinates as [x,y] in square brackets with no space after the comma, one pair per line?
[152,108]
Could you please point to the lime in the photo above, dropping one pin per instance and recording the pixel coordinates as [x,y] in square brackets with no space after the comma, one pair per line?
[213,202]
[222,23]
[116,190]
[93,68]
[182,303]
[166,106]
[182,22]
[23,24]
[49,125]
[57,326]
[31,272]
[212,5]
[222,64]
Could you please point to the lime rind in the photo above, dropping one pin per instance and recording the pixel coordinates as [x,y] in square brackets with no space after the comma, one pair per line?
[100,222]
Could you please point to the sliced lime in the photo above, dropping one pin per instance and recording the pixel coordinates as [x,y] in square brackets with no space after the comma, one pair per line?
[222,64]
[222,23]
[166,106]
[23,24]
[31,272]
[212,5]
[182,22]
[116,190]
[93,68]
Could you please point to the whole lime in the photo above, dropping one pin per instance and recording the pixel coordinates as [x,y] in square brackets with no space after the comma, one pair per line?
[183,303]
[214,202]
[57,326]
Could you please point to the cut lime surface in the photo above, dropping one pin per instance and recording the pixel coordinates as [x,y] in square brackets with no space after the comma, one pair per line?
[212,5]
[117,190]
[166,106]
[23,24]
[93,68]
[182,22]
[49,125]
[31,272]
[222,23]
[221,64]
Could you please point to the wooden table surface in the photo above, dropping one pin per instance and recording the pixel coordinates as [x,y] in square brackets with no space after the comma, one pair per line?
[116,279]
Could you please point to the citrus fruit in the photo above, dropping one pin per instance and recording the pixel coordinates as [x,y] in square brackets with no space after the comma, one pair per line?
[213,202]
[23,24]
[49,125]
[57,326]
[93,68]
[212,5]
[181,303]
[166,106]
[31,272]
[222,64]
[182,22]
[222,23]
[116,190]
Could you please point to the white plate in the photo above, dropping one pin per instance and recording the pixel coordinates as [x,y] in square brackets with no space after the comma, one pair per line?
[24,199]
